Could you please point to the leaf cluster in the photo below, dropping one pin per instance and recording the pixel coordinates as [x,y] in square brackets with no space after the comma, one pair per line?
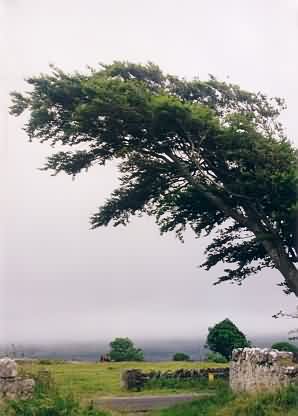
[123,349]
[224,337]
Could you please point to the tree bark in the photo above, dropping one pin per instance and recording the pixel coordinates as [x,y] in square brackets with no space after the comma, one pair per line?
[283,264]
[276,251]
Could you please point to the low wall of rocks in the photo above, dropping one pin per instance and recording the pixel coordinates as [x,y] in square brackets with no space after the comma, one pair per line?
[255,369]
[135,379]
[12,386]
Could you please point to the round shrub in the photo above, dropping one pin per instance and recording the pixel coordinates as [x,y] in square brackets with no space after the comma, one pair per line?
[180,356]
[285,346]
[216,357]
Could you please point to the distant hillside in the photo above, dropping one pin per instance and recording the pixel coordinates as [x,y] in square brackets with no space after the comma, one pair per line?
[155,350]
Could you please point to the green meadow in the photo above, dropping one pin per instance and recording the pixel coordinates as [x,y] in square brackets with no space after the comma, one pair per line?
[89,380]
[86,381]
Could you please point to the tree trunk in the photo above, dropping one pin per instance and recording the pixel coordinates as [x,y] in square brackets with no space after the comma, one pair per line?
[283,264]
[276,251]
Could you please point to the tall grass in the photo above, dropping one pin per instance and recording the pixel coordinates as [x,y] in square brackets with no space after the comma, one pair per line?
[47,401]
[280,403]
[201,407]
[283,402]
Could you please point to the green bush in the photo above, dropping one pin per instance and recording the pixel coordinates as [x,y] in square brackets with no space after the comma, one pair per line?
[43,405]
[123,349]
[47,401]
[49,405]
[224,403]
[180,356]
[216,357]
[224,337]
[179,384]
[202,407]
[45,361]
[280,403]
[285,346]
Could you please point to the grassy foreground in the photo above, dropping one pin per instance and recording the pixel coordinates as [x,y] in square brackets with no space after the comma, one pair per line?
[87,381]
[50,402]
[225,403]
[84,381]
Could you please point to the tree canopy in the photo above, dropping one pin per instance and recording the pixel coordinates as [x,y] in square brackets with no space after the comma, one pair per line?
[216,357]
[285,346]
[200,154]
[224,337]
[181,356]
[123,349]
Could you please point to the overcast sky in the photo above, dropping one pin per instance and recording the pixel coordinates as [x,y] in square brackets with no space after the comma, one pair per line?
[61,281]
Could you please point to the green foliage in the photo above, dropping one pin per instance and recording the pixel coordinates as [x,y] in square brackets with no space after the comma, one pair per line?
[224,403]
[45,361]
[200,154]
[224,337]
[173,384]
[280,403]
[43,405]
[285,346]
[206,406]
[50,405]
[216,357]
[48,401]
[122,349]
[180,356]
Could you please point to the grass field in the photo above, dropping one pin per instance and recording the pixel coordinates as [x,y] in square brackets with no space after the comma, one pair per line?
[93,380]
[87,381]
[225,403]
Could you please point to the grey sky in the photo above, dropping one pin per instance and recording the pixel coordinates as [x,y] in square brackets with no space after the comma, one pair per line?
[61,281]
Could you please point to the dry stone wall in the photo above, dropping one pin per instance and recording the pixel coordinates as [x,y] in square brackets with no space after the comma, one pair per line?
[135,379]
[256,369]
[12,386]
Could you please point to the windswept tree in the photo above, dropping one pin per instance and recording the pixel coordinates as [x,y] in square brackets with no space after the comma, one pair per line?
[207,155]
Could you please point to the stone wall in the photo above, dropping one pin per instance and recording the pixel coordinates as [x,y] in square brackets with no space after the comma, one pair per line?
[135,379]
[12,386]
[255,369]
